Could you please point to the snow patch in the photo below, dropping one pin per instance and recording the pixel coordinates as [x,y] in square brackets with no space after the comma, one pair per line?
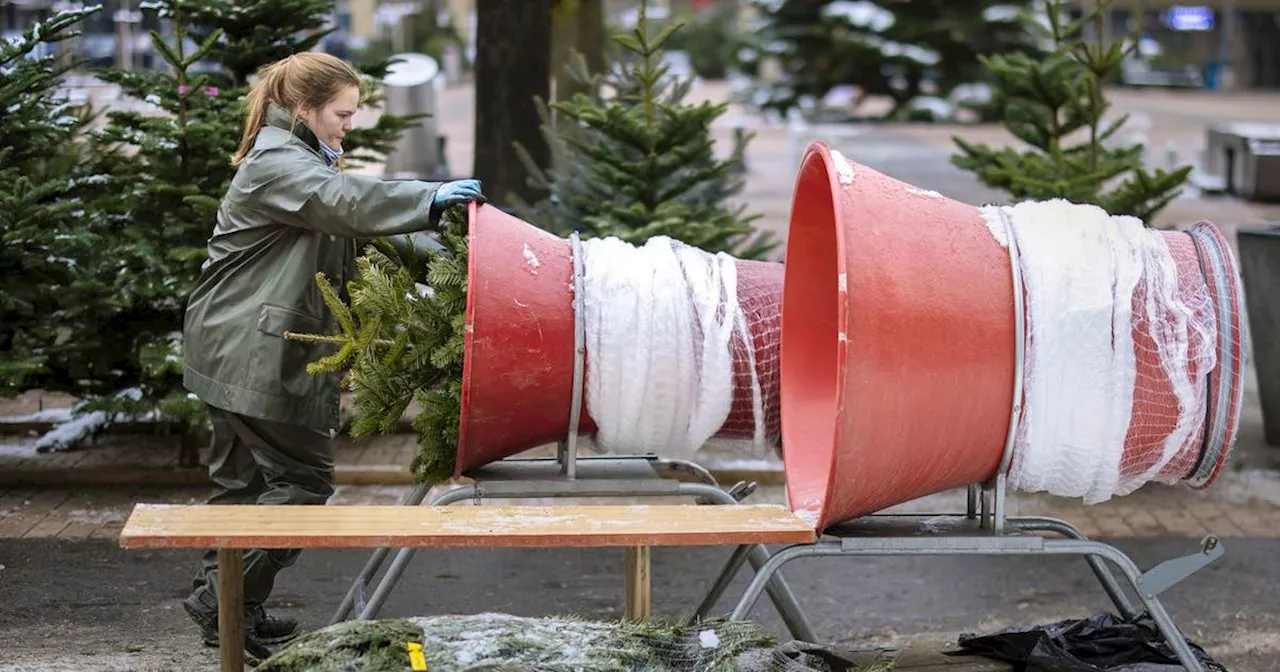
[923,192]
[531,259]
[844,169]
[861,13]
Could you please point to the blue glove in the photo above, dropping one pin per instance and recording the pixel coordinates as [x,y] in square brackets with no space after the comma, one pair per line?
[455,193]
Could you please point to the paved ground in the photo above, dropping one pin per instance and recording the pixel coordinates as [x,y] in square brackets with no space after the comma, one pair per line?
[88,605]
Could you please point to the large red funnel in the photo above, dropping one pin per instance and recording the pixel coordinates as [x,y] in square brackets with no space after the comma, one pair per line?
[517,385]
[898,346]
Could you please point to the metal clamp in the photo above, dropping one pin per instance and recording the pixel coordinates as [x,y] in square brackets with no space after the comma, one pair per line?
[999,483]
[569,455]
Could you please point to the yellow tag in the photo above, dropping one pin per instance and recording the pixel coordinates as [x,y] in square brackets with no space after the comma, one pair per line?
[417,661]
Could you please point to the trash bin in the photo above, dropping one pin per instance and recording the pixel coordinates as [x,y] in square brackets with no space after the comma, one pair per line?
[410,88]
[1246,158]
[1260,274]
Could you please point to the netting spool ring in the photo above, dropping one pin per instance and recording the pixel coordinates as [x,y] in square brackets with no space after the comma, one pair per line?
[1226,380]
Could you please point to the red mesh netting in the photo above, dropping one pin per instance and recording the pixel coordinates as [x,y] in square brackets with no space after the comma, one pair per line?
[1156,405]
[760,298]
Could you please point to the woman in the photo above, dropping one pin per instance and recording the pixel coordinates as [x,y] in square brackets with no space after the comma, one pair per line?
[288,214]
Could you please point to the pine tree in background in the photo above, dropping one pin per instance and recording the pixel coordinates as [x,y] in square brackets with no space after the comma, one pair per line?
[42,189]
[167,162]
[633,160]
[905,51]
[1057,106]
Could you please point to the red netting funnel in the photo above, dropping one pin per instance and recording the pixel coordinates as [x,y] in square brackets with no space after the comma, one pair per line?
[899,357]
[517,386]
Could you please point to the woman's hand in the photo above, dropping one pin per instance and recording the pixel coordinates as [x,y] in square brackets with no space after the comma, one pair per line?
[457,192]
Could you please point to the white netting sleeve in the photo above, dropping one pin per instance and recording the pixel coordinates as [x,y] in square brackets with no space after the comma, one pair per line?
[662,324]
[1119,341]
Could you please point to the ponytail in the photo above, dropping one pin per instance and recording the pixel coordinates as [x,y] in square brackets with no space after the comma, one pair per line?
[265,91]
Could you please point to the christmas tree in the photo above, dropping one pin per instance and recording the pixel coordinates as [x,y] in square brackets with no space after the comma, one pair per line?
[900,50]
[639,162]
[1057,106]
[402,342]
[43,184]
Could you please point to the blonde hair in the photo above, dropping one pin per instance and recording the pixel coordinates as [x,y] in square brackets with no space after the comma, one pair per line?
[305,80]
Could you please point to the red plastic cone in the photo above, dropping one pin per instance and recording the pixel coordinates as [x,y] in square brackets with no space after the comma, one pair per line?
[517,380]
[898,351]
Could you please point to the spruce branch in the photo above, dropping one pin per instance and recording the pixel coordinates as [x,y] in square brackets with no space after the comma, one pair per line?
[402,342]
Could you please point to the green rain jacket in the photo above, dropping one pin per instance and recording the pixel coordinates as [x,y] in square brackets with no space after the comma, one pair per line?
[286,216]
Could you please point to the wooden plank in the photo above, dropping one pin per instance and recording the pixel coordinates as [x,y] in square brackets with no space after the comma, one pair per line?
[231,609]
[636,605]
[283,526]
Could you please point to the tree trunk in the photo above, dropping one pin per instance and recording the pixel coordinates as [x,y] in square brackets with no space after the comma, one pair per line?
[513,66]
[590,39]
[564,34]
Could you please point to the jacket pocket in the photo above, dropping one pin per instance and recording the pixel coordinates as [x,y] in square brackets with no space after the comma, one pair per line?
[280,364]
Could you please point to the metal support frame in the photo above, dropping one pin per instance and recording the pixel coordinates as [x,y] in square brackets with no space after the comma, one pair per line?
[984,529]
[569,475]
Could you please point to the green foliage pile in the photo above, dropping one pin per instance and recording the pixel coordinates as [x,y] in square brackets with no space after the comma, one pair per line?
[503,642]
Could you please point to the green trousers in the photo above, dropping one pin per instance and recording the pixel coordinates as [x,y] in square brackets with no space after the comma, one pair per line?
[254,461]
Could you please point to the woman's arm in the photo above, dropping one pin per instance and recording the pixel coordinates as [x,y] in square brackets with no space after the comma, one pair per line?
[310,195]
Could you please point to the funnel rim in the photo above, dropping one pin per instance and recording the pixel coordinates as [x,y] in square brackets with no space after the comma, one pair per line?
[1226,383]
[468,336]
[821,152]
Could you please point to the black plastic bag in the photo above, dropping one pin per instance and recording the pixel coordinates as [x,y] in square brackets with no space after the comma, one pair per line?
[1101,643]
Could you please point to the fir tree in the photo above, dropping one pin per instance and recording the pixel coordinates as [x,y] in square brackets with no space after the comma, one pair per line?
[168,166]
[402,342]
[42,187]
[639,162]
[890,48]
[1056,105]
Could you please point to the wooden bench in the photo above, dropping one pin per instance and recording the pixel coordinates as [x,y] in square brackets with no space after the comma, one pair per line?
[231,529]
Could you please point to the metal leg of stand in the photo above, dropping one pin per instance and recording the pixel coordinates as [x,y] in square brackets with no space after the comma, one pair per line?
[783,599]
[387,584]
[779,591]
[1157,611]
[1052,547]
[389,580]
[731,568]
[766,572]
[354,599]
[1100,570]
